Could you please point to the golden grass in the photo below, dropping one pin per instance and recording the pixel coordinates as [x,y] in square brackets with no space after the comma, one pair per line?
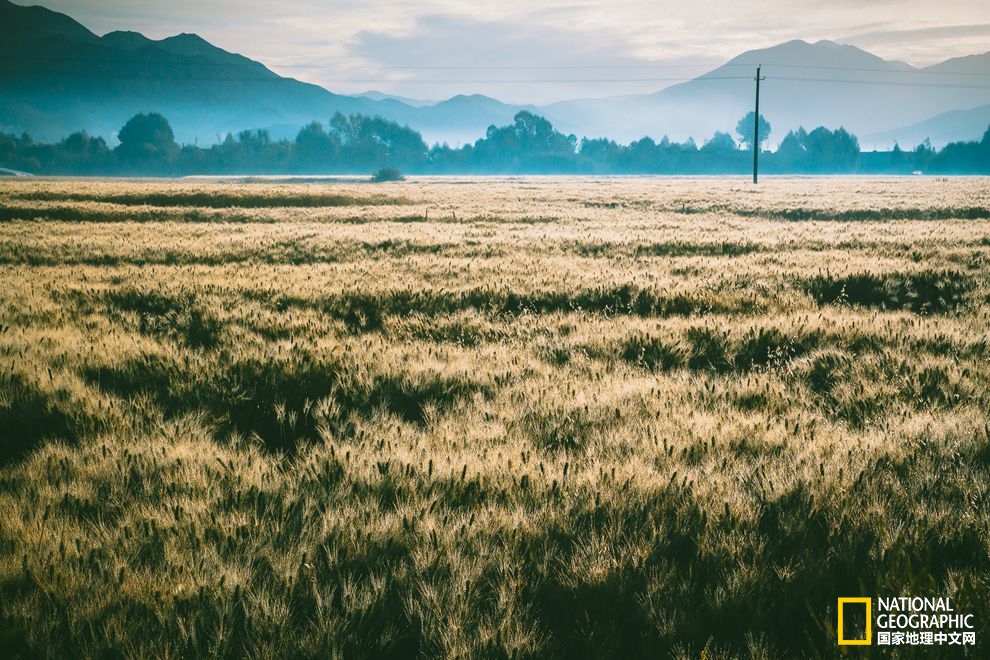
[542,417]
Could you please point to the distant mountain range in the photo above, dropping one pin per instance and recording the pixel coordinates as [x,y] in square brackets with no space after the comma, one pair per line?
[57,77]
[952,126]
[806,85]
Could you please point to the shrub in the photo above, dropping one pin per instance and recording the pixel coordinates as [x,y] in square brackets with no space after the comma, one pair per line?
[387,174]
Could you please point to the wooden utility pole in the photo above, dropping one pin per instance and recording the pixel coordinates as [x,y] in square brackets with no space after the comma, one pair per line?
[756,128]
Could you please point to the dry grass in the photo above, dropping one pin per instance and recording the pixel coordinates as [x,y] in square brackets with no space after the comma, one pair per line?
[447,417]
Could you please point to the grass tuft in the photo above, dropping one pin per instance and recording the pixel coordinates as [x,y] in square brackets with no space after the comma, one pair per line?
[931,292]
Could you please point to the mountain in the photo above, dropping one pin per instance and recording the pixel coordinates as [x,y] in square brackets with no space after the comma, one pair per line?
[952,126]
[23,25]
[57,77]
[805,84]
[970,65]
[463,118]
[375,95]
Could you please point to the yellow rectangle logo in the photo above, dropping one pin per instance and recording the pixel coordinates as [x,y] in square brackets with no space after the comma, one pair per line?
[869,623]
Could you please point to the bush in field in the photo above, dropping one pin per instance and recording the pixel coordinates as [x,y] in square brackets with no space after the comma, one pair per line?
[387,174]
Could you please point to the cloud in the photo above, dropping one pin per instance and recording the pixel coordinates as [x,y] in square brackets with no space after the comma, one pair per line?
[440,39]
[924,46]
[940,33]
[442,55]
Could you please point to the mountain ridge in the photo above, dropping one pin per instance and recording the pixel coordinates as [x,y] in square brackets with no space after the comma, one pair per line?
[807,84]
[57,77]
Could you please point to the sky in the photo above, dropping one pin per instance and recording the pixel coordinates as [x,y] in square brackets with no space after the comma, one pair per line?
[528,51]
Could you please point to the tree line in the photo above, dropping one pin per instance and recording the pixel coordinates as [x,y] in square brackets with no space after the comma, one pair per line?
[358,144]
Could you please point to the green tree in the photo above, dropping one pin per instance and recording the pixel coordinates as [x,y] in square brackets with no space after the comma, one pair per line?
[923,154]
[80,154]
[821,150]
[147,143]
[315,149]
[377,142]
[832,151]
[744,129]
[600,154]
[531,143]
[964,157]
[721,143]
[897,158]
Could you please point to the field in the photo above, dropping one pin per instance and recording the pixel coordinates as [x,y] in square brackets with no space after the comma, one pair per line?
[499,418]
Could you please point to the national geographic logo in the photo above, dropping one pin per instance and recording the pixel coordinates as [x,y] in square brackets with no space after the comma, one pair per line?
[868,637]
[903,621]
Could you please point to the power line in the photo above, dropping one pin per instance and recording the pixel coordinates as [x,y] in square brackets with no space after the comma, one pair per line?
[276,80]
[507,67]
[570,67]
[877,70]
[523,81]
[658,65]
[880,82]
[509,81]
[267,76]
[211,63]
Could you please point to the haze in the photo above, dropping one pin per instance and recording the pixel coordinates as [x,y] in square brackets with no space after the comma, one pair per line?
[524,52]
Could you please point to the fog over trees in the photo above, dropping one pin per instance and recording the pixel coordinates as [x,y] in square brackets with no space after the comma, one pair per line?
[359,144]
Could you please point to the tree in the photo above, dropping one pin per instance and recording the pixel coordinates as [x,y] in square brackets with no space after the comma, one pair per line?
[721,143]
[147,142]
[832,151]
[923,155]
[964,157]
[640,155]
[315,149]
[531,143]
[377,142]
[792,150]
[897,158]
[744,129]
[599,154]
[80,153]
[821,150]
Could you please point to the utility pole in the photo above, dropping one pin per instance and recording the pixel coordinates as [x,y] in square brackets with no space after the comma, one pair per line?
[756,128]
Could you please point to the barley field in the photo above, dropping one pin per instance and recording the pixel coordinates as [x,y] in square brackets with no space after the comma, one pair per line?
[489,418]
